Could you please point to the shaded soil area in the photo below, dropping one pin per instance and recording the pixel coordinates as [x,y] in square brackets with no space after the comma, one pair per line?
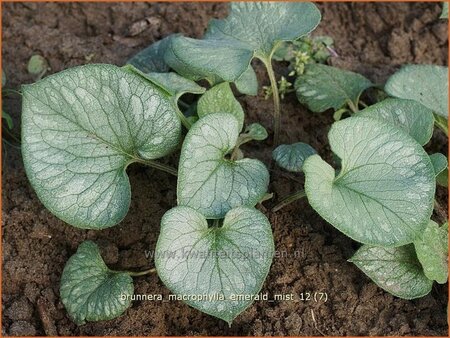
[372,38]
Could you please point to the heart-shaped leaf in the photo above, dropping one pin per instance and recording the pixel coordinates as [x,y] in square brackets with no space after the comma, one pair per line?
[151,59]
[396,270]
[432,252]
[416,119]
[207,180]
[384,192]
[220,99]
[256,132]
[427,84]
[81,128]
[322,87]
[92,292]
[210,267]
[252,29]
[292,156]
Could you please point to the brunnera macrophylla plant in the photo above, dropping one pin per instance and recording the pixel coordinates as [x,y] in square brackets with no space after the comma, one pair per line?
[252,30]
[82,128]
[382,192]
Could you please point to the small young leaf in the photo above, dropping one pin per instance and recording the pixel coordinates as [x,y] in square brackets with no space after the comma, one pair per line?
[252,29]
[232,260]
[92,292]
[439,162]
[427,84]
[292,156]
[396,270]
[384,193]
[256,132]
[432,252]
[323,87]
[207,180]
[37,65]
[151,59]
[220,99]
[81,128]
[247,83]
[416,119]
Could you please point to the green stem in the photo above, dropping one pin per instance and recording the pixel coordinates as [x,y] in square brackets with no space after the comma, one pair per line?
[276,101]
[354,108]
[362,103]
[289,199]
[441,123]
[338,113]
[7,91]
[183,119]
[183,104]
[158,165]
[141,273]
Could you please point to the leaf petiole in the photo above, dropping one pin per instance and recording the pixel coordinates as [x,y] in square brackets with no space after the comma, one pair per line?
[140,273]
[158,165]
[183,118]
[276,101]
[353,108]
[289,199]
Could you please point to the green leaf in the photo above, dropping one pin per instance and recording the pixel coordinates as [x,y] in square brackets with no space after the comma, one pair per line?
[247,83]
[384,192]
[220,99]
[439,162]
[442,178]
[193,259]
[92,292]
[323,87]
[444,14]
[262,25]
[427,84]
[208,59]
[292,156]
[432,252]
[396,270]
[256,132]
[208,181]
[416,119]
[151,59]
[252,29]
[37,65]
[173,84]
[81,128]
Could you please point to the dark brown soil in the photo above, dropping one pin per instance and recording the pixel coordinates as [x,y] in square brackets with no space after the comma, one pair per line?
[373,38]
